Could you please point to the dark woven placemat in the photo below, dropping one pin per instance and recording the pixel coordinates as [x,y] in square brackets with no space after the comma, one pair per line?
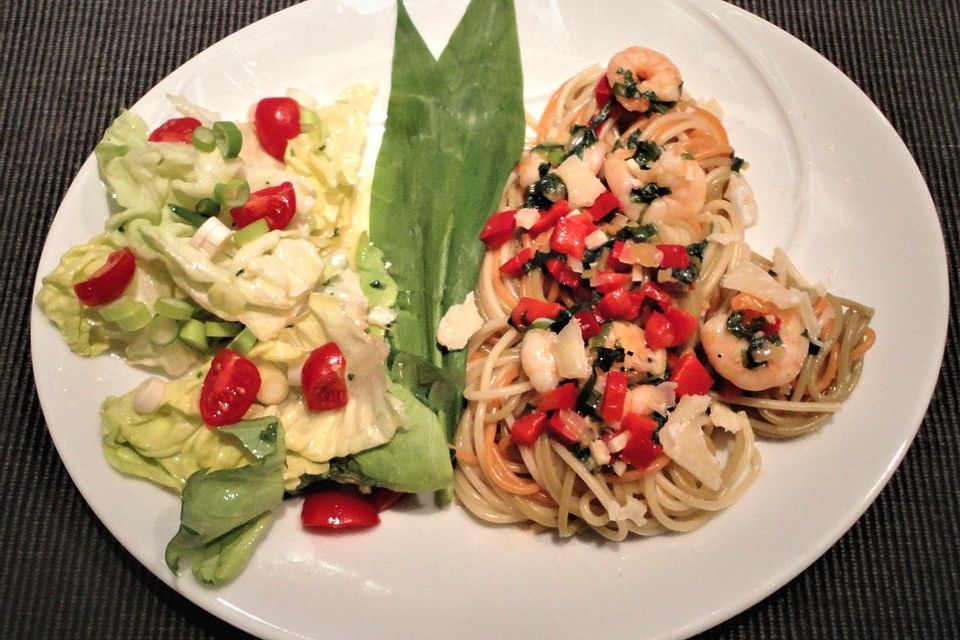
[66,66]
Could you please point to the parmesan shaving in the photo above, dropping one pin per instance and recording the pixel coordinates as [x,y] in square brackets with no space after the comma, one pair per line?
[459,323]
[684,442]
[724,417]
[583,187]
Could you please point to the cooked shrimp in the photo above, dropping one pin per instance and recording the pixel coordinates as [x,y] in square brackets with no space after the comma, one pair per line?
[528,171]
[685,179]
[687,183]
[648,398]
[538,360]
[726,350]
[638,71]
[637,355]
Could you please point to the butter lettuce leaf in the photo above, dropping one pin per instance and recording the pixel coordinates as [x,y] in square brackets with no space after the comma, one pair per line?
[171,443]
[83,328]
[225,513]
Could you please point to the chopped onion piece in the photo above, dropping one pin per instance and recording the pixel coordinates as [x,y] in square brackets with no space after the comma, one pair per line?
[526,218]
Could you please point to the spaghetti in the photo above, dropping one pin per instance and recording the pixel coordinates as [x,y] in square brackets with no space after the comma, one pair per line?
[633,345]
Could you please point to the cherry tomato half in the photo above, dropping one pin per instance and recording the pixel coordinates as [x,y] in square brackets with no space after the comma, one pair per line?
[109,281]
[276,204]
[324,378]
[338,509]
[175,130]
[231,386]
[277,120]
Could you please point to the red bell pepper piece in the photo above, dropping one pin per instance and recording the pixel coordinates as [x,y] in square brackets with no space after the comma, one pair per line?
[563,273]
[607,281]
[550,217]
[530,309]
[618,305]
[656,293]
[684,324]
[659,331]
[613,259]
[691,376]
[614,396]
[569,235]
[589,325]
[640,449]
[563,397]
[514,266]
[602,92]
[675,256]
[603,206]
[526,429]
[499,228]
[566,426]
[108,283]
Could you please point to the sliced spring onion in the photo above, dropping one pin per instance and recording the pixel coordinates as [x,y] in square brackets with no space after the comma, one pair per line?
[308,120]
[192,217]
[244,341]
[228,138]
[174,308]
[208,207]
[194,334]
[250,232]
[232,193]
[227,297]
[127,313]
[222,329]
[162,331]
[203,139]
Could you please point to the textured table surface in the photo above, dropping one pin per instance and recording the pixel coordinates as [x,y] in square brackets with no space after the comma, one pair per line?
[66,66]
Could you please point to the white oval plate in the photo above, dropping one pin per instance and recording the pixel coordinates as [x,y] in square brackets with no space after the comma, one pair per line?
[837,188]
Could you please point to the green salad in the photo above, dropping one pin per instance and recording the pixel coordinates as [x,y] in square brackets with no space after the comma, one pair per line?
[288,322]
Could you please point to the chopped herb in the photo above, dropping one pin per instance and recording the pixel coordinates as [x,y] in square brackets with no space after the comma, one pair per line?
[660,420]
[545,191]
[696,250]
[812,349]
[606,358]
[589,257]
[656,104]
[648,193]
[687,156]
[350,376]
[581,452]
[589,399]
[646,151]
[737,164]
[239,273]
[601,115]
[687,275]
[642,233]
[562,319]
[554,153]
[581,137]
[336,232]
